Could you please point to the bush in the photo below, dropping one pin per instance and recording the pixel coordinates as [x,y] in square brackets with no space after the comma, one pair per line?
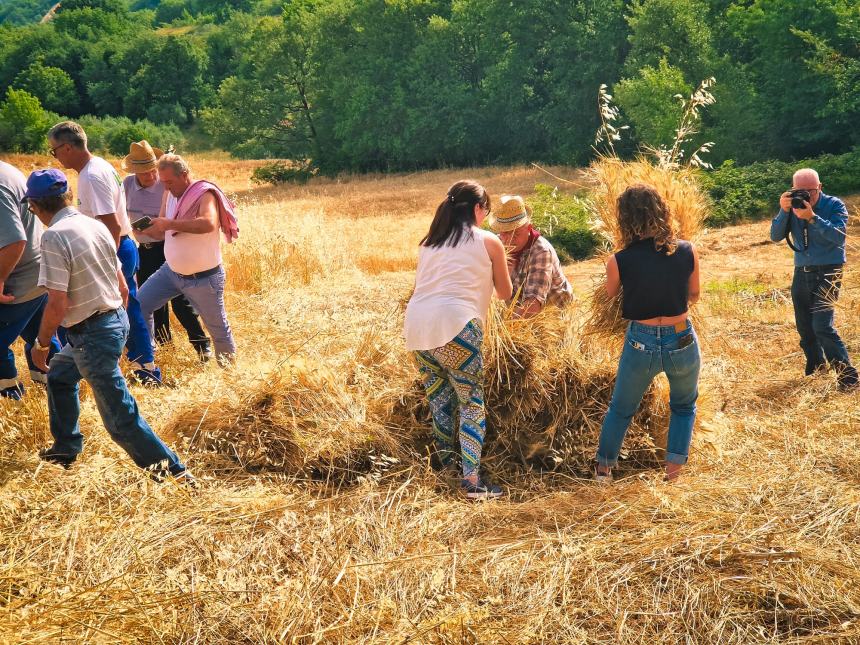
[565,221]
[24,124]
[283,172]
[114,134]
[752,192]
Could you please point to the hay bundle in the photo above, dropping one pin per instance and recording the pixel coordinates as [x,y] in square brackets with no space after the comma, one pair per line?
[298,419]
[610,177]
[547,394]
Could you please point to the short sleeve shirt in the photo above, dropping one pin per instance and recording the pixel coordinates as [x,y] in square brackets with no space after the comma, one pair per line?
[100,193]
[142,202]
[18,224]
[79,258]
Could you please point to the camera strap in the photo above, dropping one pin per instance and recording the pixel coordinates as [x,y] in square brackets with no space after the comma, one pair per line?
[804,226]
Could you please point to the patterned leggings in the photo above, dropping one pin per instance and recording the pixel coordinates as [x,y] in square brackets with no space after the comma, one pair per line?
[453,380]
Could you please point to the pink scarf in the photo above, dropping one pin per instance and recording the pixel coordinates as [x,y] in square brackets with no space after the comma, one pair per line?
[188,203]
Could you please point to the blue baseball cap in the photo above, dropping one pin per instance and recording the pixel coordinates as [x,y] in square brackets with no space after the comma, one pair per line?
[46,183]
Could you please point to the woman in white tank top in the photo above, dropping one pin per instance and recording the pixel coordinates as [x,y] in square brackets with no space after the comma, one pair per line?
[459,265]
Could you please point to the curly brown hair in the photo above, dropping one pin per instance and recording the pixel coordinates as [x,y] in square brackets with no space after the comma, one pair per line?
[642,214]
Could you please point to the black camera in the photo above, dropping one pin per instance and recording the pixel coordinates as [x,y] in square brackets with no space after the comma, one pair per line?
[799,196]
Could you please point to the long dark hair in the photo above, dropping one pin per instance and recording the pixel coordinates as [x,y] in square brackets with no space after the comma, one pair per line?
[642,213]
[456,214]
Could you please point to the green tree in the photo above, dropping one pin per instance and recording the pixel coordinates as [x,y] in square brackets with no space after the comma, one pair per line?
[23,122]
[649,101]
[54,88]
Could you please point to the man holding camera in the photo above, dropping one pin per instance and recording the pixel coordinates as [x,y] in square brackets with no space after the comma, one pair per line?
[814,226]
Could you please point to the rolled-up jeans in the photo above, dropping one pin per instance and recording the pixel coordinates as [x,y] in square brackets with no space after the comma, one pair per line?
[649,350]
[206,295]
[92,353]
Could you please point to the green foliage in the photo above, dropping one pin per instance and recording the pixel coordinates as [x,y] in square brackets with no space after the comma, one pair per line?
[649,101]
[565,221]
[752,192]
[52,86]
[114,134]
[21,12]
[23,122]
[280,172]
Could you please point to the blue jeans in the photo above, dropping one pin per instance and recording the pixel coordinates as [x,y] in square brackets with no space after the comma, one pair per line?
[92,353]
[139,347]
[206,295]
[21,319]
[813,294]
[647,352]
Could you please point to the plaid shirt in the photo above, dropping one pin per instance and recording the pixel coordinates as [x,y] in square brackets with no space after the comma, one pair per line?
[538,276]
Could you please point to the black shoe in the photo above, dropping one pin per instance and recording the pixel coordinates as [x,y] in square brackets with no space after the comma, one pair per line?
[481,490]
[61,459]
[815,368]
[847,378]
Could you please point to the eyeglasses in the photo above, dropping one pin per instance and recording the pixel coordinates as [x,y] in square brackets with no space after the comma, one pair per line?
[54,150]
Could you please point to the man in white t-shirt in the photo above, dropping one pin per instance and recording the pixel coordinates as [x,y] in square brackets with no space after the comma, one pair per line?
[100,196]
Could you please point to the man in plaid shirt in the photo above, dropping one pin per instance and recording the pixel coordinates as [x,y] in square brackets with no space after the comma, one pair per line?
[532,261]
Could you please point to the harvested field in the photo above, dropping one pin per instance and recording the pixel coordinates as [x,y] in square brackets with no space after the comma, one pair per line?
[319,520]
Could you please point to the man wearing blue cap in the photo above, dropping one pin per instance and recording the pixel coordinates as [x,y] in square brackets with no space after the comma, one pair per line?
[86,294]
[101,197]
[21,300]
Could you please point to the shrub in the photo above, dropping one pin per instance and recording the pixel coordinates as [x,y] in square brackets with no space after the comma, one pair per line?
[565,221]
[283,172]
[751,192]
[23,122]
[114,134]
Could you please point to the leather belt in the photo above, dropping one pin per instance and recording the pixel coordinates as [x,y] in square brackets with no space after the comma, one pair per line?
[151,245]
[821,268]
[201,274]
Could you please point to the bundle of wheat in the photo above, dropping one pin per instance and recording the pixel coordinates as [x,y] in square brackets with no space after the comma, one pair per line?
[610,176]
[298,419]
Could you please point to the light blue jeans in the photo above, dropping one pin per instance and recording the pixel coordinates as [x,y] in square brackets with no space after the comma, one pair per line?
[92,353]
[648,351]
[206,295]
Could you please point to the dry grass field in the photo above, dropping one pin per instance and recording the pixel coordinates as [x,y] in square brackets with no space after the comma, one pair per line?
[317,519]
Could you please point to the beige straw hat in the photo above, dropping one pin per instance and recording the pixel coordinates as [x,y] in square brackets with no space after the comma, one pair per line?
[141,157]
[513,213]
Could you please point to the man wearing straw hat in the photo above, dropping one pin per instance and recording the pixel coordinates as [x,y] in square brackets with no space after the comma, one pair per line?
[143,196]
[101,197]
[86,293]
[532,261]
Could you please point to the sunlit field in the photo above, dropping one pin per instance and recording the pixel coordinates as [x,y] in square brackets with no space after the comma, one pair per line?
[318,518]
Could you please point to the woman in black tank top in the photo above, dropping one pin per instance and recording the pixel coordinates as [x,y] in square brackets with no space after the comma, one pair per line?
[657,276]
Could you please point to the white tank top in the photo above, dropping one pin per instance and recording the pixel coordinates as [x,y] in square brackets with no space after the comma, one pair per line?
[453,285]
[187,253]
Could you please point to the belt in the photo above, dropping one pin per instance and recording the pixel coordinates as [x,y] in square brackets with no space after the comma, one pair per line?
[200,274]
[821,268]
[79,327]
[151,245]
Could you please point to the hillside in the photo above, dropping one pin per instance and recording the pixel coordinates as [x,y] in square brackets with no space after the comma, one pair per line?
[758,542]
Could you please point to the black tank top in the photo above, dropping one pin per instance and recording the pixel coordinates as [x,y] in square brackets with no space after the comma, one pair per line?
[655,284]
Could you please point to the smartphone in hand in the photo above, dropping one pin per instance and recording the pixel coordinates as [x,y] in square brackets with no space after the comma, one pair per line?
[141,224]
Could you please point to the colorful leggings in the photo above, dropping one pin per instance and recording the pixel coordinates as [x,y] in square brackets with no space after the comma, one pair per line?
[453,380]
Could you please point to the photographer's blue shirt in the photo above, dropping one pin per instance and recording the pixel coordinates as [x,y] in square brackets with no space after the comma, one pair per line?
[826,232]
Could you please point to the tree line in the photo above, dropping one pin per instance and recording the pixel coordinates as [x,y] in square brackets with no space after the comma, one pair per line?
[359,85]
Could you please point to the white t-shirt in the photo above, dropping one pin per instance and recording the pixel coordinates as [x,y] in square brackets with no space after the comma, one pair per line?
[100,193]
[453,285]
[188,253]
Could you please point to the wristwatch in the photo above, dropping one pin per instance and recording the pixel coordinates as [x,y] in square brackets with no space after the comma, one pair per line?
[40,347]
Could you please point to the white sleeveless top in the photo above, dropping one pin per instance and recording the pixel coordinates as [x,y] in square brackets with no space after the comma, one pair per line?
[187,253]
[453,285]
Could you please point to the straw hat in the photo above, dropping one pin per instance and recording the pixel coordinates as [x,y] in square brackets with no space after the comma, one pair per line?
[141,157]
[513,213]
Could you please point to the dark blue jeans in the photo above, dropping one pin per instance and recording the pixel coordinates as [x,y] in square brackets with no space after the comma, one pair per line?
[648,351]
[813,294]
[22,319]
[92,353]
[139,348]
